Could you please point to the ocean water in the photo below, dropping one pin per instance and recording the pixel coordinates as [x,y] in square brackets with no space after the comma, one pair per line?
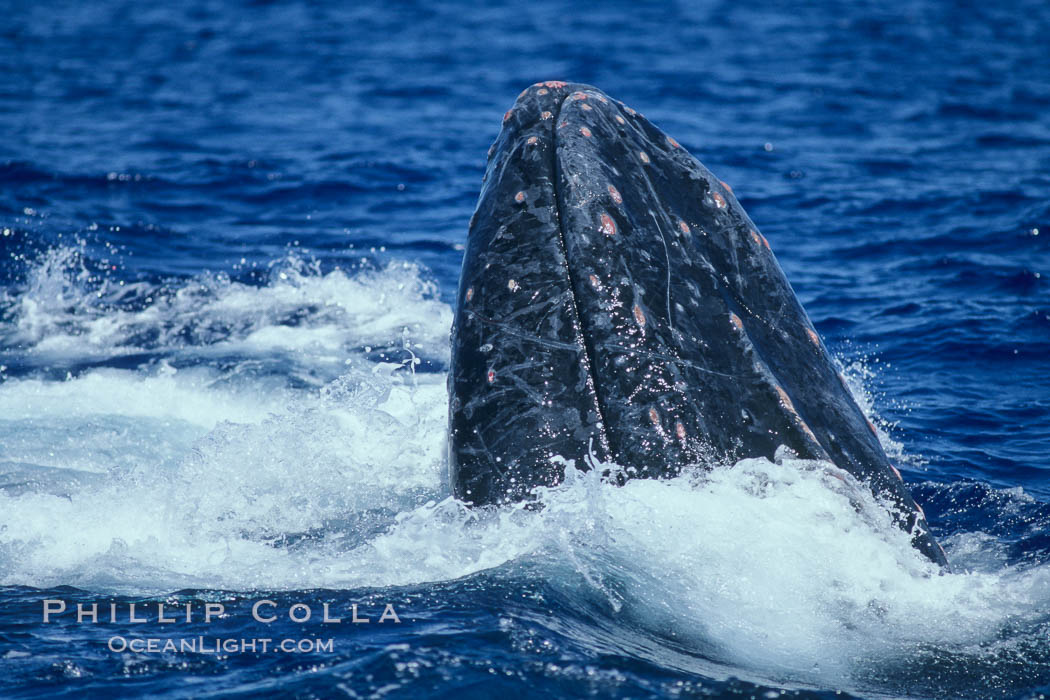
[230,234]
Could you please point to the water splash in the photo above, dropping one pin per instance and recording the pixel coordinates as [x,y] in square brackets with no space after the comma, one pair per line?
[162,476]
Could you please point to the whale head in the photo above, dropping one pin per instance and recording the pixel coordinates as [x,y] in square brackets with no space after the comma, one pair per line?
[617,301]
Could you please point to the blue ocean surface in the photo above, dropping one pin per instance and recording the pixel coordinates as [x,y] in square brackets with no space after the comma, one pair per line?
[230,238]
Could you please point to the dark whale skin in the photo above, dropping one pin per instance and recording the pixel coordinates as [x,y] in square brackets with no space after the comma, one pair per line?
[616,300]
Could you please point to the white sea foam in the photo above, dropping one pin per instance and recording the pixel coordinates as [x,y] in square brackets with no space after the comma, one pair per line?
[313,319]
[286,422]
[158,478]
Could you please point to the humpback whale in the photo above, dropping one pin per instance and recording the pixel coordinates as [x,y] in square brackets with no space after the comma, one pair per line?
[616,301]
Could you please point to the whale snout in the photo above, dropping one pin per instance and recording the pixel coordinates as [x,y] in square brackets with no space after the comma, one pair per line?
[617,301]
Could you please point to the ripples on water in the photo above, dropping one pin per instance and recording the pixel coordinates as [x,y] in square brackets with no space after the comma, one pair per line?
[230,236]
